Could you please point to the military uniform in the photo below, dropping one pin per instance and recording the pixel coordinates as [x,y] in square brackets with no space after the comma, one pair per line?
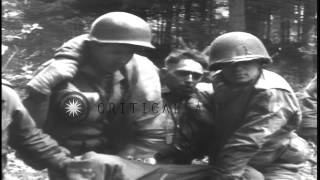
[255,126]
[19,131]
[188,127]
[108,118]
[308,102]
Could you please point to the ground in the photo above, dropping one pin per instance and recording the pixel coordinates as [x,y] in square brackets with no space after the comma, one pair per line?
[17,170]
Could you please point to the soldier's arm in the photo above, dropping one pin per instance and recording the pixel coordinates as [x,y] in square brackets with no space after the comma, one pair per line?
[72,49]
[204,107]
[36,148]
[308,127]
[270,114]
[62,67]
[146,121]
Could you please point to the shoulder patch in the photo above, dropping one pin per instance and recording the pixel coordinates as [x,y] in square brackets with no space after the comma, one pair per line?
[73,106]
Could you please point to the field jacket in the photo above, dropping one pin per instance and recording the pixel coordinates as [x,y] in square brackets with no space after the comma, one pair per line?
[132,132]
[255,125]
[19,132]
[188,124]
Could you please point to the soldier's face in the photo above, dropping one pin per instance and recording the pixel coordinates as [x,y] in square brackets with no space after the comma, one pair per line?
[184,76]
[242,72]
[110,57]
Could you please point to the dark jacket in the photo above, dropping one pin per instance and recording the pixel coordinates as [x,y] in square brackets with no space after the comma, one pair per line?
[19,132]
[131,133]
[189,126]
[309,105]
[255,124]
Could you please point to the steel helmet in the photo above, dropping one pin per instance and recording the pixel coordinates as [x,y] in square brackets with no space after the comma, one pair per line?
[121,27]
[235,47]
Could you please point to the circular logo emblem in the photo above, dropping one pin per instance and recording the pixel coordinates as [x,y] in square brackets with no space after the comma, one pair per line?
[74,107]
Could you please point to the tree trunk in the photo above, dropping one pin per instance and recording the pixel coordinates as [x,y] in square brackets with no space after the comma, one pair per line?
[168,19]
[177,23]
[203,4]
[308,20]
[187,7]
[211,12]
[299,22]
[268,33]
[237,15]
[285,24]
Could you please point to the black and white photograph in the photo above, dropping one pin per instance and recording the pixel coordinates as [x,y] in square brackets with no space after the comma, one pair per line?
[159,89]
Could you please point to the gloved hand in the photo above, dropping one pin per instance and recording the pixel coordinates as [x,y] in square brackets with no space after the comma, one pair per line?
[51,73]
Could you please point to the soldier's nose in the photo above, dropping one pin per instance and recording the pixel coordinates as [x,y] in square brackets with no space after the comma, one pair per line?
[189,78]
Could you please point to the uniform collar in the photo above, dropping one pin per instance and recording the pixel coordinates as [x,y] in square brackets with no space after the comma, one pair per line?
[271,80]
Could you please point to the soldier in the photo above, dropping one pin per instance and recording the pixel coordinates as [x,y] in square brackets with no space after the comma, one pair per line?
[96,94]
[185,105]
[256,112]
[189,127]
[19,131]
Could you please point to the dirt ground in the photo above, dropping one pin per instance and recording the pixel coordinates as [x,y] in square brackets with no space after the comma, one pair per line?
[18,170]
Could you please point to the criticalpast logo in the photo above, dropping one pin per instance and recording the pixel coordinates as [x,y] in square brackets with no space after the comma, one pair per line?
[74,107]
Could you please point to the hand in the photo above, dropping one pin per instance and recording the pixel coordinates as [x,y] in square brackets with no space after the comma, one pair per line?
[93,166]
[65,151]
[55,72]
[103,159]
[85,170]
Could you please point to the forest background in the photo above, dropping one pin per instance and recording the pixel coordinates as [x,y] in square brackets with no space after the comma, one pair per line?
[33,29]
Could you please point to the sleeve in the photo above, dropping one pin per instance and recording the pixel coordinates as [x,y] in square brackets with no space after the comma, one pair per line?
[63,66]
[37,105]
[36,148]
[203,106]
[308,128]
[308,106]
[147,121]
[270,113]
[72,49]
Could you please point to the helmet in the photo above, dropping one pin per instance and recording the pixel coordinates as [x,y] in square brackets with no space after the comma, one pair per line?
[235,47]
[121,27]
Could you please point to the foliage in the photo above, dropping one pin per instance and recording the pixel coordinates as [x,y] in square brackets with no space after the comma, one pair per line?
[34,29]
[18,170]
